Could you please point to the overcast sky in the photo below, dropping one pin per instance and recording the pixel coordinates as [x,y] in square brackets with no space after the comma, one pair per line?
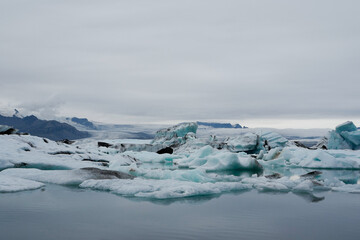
[262,63]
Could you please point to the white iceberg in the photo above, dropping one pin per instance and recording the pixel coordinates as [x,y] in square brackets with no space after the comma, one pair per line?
[242,143]
[211,159]
[194,175]
[30,151]
[63,177]
[14,184]
[327,159]
[273,139]
[162,189]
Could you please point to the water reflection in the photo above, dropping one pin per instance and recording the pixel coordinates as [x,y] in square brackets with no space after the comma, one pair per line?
[309,197]
[200,199]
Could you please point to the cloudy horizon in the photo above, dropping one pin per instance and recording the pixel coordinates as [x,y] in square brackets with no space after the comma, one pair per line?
[258,63]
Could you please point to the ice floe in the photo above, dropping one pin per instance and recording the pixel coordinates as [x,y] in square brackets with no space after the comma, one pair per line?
[64,177]
[163,189]
[328,159]
[15,184]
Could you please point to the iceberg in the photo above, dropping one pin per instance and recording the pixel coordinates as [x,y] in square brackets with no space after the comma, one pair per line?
[273,139]
[346,127]
[150,157]
[62,177]
[172,137]
[345,136]
[326,159]
[14,184]
[349,188]
[211,159]
[242,143]
[162,189]
[353,138]
[294,183]
[335,141]
[193,175]
[175,135]
[272,154]
[29,151]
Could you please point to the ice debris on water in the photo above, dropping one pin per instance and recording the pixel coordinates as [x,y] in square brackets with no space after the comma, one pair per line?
[175,135]
[345,136]
[15,184]
[211,159]
[163,189]
[178,164]
[273,139]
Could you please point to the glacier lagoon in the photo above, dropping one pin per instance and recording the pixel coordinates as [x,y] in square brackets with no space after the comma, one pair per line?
[61,212]
[208,184]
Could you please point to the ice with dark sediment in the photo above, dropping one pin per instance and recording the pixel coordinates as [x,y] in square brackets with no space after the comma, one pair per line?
[187,166]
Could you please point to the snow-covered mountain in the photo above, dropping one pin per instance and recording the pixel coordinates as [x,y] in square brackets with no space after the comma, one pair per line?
[53,130]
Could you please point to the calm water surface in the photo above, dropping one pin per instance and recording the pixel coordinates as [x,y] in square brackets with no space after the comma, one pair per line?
[69,213]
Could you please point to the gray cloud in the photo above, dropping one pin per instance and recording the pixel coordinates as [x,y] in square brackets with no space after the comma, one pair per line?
[147,61]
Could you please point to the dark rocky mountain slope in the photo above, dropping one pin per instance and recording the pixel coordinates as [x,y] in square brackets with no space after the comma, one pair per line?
[53,130]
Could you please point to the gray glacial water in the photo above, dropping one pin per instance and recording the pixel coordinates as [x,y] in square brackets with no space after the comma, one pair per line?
[70,213]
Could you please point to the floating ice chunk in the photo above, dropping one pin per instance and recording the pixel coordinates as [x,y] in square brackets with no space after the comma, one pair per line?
[345,136]
[168,137]
[212,159]
[162,189]
[151,157]
[174,135]
[272,154]
[336,141]
[274,139]
[285,184]
[194,175]
[332,159]
[353,138]
[42,153]
[242,143]
[14,184]
[333,182]
[123,147]
[350,188]
[190,146]
[346,126]
[64,177]
[272,186]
